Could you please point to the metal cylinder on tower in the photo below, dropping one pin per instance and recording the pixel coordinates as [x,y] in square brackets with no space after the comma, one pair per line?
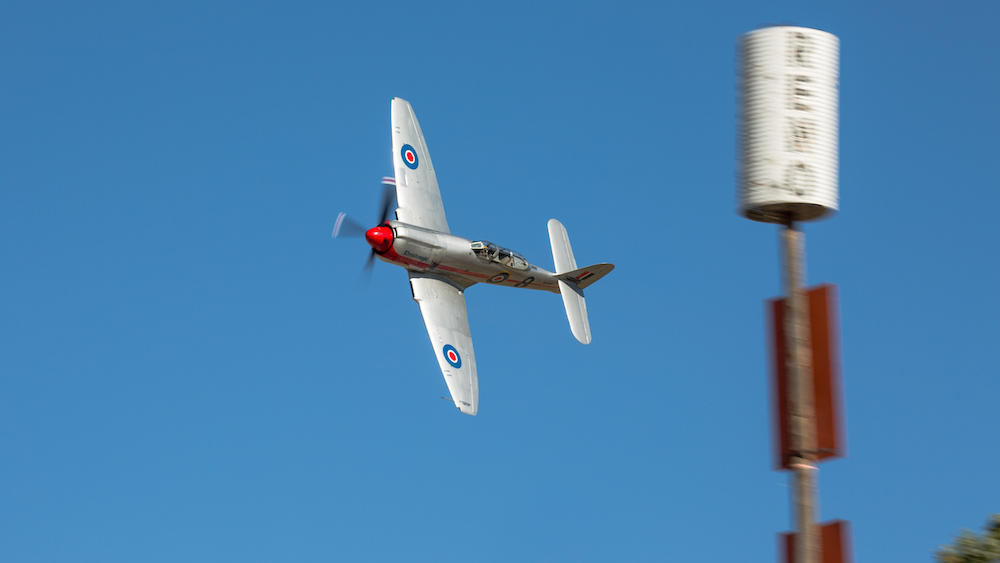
[788,124]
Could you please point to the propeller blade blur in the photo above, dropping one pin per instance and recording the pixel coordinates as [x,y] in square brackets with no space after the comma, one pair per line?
[347,227]
[369,263]
[388,194]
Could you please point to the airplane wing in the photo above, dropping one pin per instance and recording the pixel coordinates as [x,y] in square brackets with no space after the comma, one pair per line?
[417,191]
[443,306]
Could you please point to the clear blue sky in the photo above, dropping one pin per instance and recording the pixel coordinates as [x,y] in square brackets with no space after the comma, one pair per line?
[190,369]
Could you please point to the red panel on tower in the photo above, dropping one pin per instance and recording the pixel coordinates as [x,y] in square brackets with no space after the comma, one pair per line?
[835,537]
[830,437]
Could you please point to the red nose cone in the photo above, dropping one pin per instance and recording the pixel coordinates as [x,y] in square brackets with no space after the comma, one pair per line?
[380,238]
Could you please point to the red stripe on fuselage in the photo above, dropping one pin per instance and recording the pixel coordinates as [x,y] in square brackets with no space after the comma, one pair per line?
[457,271]
[392,256]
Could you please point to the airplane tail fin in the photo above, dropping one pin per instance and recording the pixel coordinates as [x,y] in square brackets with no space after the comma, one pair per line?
[573,280]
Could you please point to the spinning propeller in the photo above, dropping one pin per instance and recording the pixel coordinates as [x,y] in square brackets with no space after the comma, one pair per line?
[378,237]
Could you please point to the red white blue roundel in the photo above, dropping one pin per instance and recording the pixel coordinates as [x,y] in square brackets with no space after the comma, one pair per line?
[499,278]
[409,157]
[451,356]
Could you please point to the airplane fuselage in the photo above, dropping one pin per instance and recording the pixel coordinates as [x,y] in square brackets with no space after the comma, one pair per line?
[427,251]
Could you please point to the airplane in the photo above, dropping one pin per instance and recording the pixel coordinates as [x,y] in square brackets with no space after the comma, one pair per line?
[441,266]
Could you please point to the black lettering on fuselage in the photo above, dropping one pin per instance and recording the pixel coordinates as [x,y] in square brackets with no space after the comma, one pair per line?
[417,256]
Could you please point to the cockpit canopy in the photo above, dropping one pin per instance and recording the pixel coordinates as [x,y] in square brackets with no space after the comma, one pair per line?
[489,252]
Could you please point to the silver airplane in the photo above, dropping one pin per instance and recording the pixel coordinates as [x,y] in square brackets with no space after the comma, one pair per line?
[441,265]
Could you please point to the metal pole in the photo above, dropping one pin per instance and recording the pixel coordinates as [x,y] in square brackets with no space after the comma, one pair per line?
[801,408]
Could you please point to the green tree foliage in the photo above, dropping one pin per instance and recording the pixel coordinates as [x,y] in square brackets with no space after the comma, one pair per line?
[971,548]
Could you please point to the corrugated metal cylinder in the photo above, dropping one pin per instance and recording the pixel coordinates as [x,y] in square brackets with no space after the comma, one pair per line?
[788,137]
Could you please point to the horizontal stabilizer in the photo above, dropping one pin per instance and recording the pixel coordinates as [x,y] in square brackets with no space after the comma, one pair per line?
[576,311]
[583,277]
[572,280]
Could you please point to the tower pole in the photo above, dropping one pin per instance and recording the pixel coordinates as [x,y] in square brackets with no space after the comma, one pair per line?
[801,413]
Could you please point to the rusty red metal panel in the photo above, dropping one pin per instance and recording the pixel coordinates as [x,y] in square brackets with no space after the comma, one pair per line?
[779,385]
[830,437]
[786,547]
[836,542]
[835,538]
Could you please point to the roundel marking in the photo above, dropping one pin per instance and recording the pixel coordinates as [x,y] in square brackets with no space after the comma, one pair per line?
[451,356]
[499,278]
[409,157]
